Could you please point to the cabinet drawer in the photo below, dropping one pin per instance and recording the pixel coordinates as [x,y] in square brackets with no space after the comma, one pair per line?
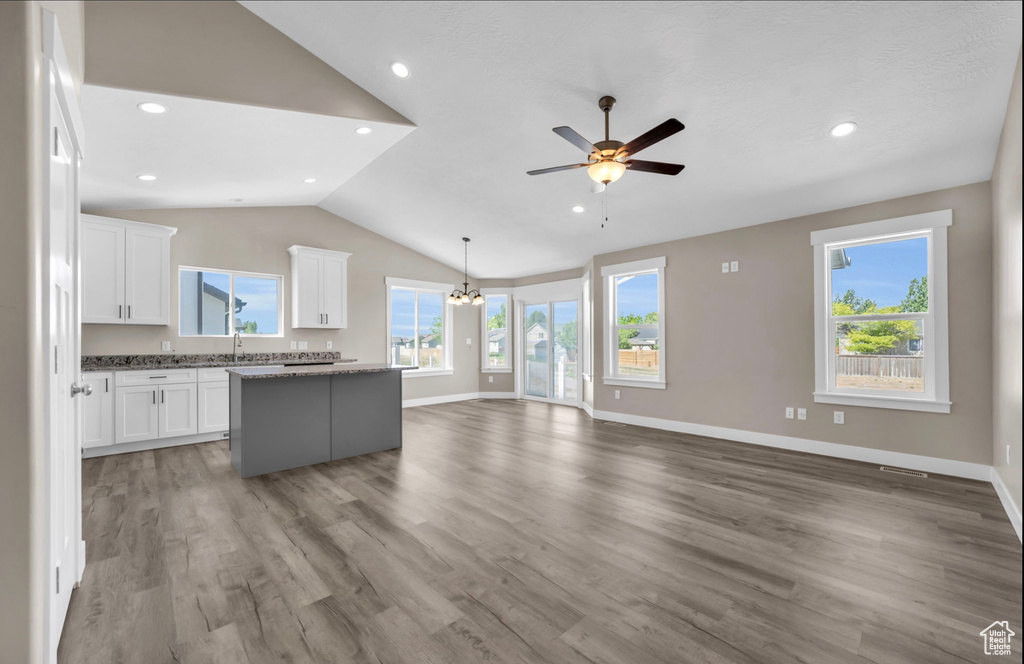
[213,374]
[160,377]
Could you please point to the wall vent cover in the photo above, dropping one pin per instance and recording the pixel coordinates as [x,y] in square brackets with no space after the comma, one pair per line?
[614,424]
[903,471]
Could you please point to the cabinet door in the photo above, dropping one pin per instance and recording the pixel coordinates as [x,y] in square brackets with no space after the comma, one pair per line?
[98,410]
[178,416]
[334,286]
[147,277]
[102,273]
[136,414]
[213,407]
[308,291]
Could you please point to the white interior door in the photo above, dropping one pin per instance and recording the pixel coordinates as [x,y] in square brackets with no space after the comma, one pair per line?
[61,307]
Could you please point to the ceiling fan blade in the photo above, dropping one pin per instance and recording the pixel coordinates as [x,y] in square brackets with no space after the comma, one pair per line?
[659,133]
[542,171]
[654,167]
[570,135]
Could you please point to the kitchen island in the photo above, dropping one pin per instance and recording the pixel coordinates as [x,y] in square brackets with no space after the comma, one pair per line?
[290,416]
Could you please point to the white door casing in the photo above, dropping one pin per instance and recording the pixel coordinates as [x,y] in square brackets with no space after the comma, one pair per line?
[61,310]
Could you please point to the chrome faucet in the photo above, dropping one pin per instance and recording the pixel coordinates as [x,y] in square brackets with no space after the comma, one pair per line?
[237,344]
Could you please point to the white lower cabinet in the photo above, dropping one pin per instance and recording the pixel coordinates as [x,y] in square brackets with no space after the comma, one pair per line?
[137,413]
[213,407]
[98,410]
[178,415]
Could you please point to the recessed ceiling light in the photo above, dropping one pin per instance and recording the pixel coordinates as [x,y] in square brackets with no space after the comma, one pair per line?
[363,130]
[147,178]
[309,180]
[843,129]
[399,70]
[151,107]
[577,208]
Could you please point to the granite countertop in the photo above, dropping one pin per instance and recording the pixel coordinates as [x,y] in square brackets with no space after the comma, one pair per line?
[315,370]
[206,360]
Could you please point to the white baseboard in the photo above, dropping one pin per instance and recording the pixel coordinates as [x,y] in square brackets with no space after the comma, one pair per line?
[973,471]
[154,444]
[449,398]
[1012,509]
[587,408]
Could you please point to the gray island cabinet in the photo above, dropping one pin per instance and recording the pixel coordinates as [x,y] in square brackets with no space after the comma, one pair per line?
[290,416]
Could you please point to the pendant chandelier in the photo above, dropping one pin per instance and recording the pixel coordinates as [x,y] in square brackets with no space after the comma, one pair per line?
[465,296]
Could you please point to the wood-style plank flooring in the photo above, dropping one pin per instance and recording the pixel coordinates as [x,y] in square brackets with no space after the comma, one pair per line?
[513,532]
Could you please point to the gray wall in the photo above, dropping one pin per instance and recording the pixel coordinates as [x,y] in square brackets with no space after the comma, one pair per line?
[740,346]
[1006,213]
[256,240]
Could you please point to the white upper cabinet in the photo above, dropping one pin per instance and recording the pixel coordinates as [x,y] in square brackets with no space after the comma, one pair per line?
[126,272]
[319,288]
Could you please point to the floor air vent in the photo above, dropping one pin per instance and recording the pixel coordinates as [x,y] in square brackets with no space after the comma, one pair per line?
[903,471]
[614,424]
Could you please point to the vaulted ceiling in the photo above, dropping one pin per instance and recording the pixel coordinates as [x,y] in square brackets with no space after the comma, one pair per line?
[758,85]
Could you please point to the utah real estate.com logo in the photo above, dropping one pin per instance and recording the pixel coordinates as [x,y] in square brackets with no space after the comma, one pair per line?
[997,638]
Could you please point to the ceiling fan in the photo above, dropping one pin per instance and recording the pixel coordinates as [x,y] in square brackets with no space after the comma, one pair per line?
[607,160]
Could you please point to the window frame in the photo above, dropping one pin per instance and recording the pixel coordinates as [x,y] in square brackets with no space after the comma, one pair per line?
[935,322]
[485,337]
[609,273]
[231,274]
[447,333]
[586,340]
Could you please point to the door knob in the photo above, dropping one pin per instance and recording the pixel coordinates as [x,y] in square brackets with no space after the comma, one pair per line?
[85,389]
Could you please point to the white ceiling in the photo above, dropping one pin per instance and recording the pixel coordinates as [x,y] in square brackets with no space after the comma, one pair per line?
[205,153]
[758,85]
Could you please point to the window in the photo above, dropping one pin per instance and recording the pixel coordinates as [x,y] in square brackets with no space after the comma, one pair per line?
[634,323]
[218,303]
[496,346]
[419,326]
[880,305]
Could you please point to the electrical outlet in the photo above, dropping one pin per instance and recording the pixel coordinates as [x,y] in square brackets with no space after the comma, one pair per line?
[734,266]
[789,412]
[725,268]
[801,413]
[838,417]
[469,341]
[618,394]
[165,346]
[490,379]
[330,345]
[292,345]
[303,345]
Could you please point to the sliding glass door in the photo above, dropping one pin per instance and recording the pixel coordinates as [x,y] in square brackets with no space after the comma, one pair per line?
[550,333]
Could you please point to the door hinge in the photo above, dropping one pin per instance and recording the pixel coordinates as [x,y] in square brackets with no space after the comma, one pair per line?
[58,580]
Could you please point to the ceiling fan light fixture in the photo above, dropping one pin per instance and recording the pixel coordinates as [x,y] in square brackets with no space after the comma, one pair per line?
[606,172]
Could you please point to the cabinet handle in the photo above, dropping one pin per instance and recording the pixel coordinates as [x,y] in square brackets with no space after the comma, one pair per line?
[119,308]
[155,377]
[161,396]
[154,396]
[327,319]
[106,384]
[129,311]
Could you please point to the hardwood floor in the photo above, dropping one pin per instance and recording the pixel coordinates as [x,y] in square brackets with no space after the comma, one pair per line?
[524,532]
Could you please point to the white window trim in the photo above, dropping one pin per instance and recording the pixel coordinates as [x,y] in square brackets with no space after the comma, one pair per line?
[936,322]
[586,331]
[484,337]
[429,287]
[231,279]
[608,274]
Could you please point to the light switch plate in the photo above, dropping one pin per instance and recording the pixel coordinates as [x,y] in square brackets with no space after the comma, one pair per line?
[469,341]
[725,267]
[303,345]
[838,417]
[789,412]
[801,413]
[330,345]
[165,346]
[292,345]
[734,266]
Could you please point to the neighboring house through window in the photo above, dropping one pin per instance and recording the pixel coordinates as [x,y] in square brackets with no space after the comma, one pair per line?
[220,303]
[634,325]
[881,334]
[419,326]
[496,354]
